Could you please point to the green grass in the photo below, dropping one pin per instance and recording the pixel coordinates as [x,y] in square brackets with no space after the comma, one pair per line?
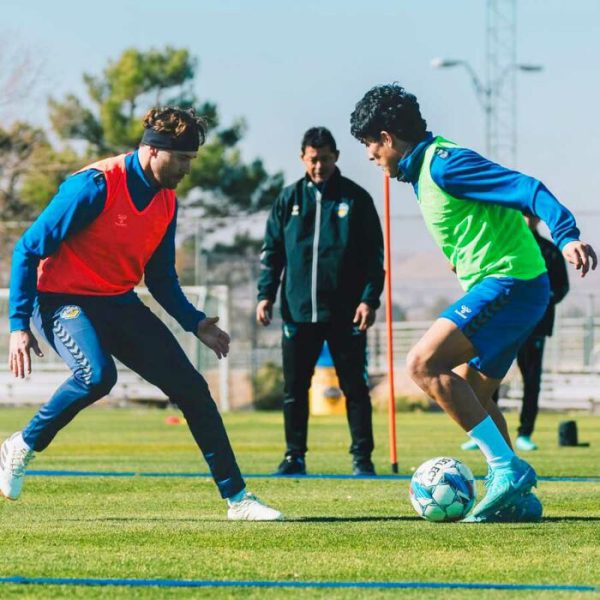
[337,530]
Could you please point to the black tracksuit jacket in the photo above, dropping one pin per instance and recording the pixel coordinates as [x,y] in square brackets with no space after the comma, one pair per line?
[329,246]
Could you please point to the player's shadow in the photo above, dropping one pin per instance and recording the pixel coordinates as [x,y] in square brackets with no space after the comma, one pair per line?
[324,519]
[369,519]
[135,519]
[569,519]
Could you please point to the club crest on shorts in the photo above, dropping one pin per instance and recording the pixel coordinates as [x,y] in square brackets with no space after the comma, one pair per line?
[343,209]
[295,210]
[70,312]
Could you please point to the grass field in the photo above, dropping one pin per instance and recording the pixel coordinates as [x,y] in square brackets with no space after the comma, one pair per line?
[338,529]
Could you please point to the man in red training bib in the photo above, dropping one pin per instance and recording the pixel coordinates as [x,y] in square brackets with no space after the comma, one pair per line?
[74,272]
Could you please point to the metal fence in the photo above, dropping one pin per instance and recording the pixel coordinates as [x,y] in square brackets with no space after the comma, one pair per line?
[50,371]
[571,365]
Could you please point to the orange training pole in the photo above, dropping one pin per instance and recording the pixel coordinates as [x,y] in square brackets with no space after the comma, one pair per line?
[388,318]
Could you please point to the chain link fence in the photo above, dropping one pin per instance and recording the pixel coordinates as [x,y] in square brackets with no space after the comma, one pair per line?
[224,284]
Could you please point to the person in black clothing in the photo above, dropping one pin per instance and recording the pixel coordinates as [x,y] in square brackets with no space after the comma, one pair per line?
[324,235]
[531,353]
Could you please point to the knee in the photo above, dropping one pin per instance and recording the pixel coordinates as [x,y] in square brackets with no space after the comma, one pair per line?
[355,388]
[99,379]
[296,387]
[189,387]
[419,365]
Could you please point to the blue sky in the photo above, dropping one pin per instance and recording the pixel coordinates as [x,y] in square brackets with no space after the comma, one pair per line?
[286,66]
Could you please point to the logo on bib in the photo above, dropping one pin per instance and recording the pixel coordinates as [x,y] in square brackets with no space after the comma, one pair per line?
[70,312]
[289,330]
[342,209]
[121,220]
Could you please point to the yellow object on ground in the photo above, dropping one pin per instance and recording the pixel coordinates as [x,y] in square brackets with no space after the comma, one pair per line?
[325,396]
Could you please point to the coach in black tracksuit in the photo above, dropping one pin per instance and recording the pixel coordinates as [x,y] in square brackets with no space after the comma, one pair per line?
[324,235]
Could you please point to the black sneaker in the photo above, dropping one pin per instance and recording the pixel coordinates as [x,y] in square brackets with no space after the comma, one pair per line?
[363,467]
[292,465]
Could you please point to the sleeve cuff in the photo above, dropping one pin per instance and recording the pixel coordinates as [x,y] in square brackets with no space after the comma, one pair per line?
[19,324]
[374,304]
[264,296]
[201,317]
[564,242]
[192,324]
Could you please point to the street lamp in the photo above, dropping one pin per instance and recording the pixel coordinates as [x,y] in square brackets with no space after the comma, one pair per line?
[485,93]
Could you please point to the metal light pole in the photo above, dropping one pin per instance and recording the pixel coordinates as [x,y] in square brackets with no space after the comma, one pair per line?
[487,95]
[498,95]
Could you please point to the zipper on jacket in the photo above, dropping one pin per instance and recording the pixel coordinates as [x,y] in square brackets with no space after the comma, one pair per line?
[315,257]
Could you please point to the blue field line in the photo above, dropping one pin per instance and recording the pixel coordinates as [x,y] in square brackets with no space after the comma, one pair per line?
[194,583]
[61,473]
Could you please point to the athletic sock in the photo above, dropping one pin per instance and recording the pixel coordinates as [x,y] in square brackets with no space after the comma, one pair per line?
[236,497]
[497,452]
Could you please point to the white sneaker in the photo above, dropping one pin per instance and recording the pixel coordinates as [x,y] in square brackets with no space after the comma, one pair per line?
[250,508]
[15,455]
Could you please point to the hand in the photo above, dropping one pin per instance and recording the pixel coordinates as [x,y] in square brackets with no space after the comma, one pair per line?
[581,255]
[19,358]
[364,316]
[213,337]
[264,312]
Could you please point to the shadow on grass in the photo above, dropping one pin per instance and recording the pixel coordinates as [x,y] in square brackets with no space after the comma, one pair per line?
[324,519]
[371,519]
[139,520]
[569,519]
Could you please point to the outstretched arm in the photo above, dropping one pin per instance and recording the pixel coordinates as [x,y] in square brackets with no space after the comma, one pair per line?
[163,283]
[80,199]
[465,174]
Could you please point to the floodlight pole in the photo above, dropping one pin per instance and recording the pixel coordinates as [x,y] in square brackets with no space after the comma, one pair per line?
[491,99]
[498,94]
[388,319]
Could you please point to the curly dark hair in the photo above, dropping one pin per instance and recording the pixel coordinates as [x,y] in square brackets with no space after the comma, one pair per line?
[388,108]
[175,121]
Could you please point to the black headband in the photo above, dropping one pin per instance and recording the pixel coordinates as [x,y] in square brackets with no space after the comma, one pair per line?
[189,141]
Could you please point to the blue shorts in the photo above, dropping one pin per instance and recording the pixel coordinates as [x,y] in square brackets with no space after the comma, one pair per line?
[497,315]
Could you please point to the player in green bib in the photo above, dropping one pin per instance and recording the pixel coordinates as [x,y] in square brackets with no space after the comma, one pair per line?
[474,209]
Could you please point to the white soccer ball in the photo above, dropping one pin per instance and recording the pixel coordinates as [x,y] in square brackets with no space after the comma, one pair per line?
[443,489]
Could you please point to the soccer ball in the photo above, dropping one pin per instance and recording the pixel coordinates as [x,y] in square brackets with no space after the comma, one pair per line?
[443,489]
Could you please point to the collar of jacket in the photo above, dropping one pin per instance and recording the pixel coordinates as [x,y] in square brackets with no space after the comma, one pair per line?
[330,187]
[410,165]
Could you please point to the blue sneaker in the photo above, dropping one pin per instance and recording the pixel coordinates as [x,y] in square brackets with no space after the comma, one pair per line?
[504,485]
[525,443]
[524,509]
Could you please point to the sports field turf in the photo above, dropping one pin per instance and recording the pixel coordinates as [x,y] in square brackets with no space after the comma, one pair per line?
[339,530]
